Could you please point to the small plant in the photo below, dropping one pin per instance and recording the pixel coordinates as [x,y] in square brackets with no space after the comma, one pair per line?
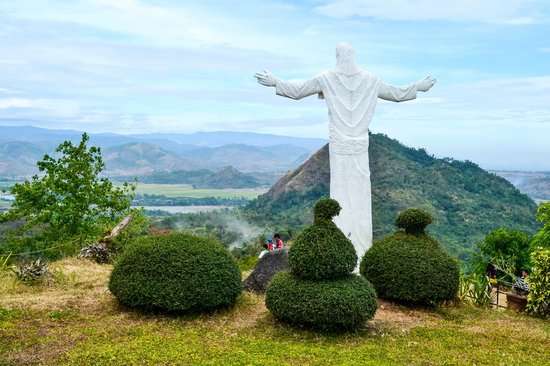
[31,272]
[96,252]
[4,262]
[475,289]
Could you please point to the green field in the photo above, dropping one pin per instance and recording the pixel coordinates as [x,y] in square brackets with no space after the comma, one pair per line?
[186,190]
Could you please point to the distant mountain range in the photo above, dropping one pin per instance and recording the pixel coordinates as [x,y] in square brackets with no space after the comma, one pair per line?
[534,184]
[141,155]
[466,201]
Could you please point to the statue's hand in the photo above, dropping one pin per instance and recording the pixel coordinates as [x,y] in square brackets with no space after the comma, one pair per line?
[266,78]
[425,84]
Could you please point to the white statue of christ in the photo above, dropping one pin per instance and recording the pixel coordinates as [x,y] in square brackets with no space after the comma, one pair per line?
[351,94]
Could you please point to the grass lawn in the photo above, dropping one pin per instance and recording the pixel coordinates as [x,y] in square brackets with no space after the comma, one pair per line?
[73,320]
[186,190]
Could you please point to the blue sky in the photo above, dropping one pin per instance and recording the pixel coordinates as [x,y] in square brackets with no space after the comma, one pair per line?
[131,66]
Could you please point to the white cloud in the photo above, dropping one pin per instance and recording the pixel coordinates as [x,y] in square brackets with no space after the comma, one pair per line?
[54,106]
[513,12]
[9,91]
[17,103]
[183,24]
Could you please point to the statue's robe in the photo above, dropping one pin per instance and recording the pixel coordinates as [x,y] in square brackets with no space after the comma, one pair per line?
[351,101]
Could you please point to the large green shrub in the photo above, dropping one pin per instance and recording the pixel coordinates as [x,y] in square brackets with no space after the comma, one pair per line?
[345,303]
[320,291]
[411,269]
[538,300]
[177,272]
[322,251]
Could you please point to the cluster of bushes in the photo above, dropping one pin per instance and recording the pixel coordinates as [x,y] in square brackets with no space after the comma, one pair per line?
[410,266]
[503,255]
[320,291]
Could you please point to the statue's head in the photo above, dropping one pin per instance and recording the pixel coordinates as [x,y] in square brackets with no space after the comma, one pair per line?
[344,52]
[345,58]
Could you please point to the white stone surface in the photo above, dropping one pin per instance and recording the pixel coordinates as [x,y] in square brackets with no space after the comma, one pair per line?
[351,94]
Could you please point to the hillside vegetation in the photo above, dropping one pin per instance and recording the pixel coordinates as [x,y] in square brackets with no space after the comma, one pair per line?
[466,201]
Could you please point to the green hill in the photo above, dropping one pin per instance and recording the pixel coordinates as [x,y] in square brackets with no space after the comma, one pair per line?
[466,201]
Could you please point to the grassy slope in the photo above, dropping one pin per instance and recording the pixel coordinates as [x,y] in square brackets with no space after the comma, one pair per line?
[75,321]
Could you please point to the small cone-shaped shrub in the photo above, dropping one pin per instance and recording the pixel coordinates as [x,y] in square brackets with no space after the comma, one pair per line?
[320,291]
[322,251]
[409,266]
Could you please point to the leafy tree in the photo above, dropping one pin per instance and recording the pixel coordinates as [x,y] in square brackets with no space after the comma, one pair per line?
[542,238]
[69,198]
[504,247]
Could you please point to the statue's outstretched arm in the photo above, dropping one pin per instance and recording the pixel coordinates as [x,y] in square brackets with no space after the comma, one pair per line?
[401,94]
[293,90]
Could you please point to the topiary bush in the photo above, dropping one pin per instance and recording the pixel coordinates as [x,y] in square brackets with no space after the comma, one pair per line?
[320,291]
[345,303]
[176,273]
[322,251]
[411,268]
[413,221]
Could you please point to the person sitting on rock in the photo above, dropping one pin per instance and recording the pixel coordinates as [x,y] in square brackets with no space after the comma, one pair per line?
[279,244]
[268,247]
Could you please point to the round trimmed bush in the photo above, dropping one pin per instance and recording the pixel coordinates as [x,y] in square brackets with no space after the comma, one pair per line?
[411,269]
[413,221]
[341,304]
[177,272]
[322,251]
